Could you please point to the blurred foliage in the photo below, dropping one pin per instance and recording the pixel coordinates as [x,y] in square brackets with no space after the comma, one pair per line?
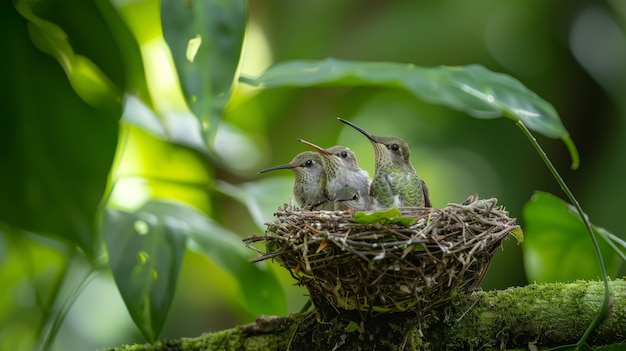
[35,148]
[557,246]
[114,110]
[71,180]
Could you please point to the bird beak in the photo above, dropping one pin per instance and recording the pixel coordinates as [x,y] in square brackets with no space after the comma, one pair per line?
[315,147]
[285,166]
[363,131]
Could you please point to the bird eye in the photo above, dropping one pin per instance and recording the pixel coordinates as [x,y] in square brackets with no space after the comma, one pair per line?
[395,147]
[344,154]
[308,163]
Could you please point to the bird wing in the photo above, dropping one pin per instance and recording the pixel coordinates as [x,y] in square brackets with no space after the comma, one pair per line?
[407,187]
[382,190]
[427,202]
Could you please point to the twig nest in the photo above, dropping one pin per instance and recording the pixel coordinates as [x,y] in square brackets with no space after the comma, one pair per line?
[388,261]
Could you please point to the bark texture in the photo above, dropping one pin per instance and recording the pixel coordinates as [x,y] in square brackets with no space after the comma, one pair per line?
[541,315]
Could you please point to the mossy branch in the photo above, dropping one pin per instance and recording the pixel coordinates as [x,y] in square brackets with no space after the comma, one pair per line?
[543,315]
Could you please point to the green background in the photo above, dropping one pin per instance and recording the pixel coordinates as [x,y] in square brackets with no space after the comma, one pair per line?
[571,53]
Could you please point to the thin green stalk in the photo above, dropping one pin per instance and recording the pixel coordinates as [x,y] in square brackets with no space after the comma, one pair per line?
[306,306]
[612,240]
[21,240]
[65,307]
[607,294]
[613,237]
[48,306]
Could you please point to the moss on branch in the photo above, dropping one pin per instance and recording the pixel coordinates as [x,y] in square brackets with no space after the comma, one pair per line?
[544,315]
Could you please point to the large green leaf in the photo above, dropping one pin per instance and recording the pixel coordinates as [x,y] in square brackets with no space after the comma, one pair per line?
[261,291]
[205,38]
[56,145]
[556,244]
[472,89]
[146,249]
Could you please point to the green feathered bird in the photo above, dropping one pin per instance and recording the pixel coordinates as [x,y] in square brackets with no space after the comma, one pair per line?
[395,183]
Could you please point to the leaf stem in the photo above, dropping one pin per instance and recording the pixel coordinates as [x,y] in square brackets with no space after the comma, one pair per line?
[607,294]
[65,307]
[47,308]
[613,241]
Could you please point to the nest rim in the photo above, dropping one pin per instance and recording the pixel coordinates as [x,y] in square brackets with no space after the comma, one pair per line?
[388,267]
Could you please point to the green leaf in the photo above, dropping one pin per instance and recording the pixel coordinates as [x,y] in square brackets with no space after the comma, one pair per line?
[260,289]
[392,215]
[351,327]
[86,78]
[518,234]
[205,38]
[557,246]
[57,149]
[472,89]
[146,250]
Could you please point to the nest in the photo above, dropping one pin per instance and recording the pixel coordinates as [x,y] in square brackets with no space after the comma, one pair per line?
[417,263]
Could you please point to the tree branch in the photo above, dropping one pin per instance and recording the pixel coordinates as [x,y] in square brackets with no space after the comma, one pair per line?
[544,315]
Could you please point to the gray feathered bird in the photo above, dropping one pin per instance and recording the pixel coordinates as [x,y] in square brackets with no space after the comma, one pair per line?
[309,187]
[345,180]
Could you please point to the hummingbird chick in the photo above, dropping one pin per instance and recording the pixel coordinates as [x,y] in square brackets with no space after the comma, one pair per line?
[309,187]
[349,198]
[343,176]
[395,182]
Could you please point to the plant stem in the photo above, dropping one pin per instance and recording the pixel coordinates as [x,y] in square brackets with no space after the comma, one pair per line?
[48,306]
[607,294]
[67,303]
[613,241]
